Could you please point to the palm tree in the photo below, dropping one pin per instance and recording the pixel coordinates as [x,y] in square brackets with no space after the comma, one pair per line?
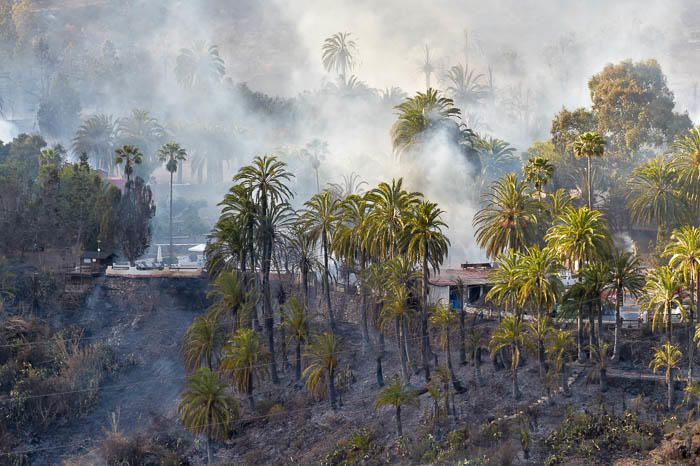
[142,130]
[625,277]
[667,356]
[496,156]
[685,161]
[421,116]
[320,218]
[95,137]
[595,277]
[508,219]
[397,394]
[240,358]
[316,150]
[265,179]
[303,245]
[427,245]
[129,156]
[600,354]
[557,203]
[536,334]
[655,196]
[506,278]
[339,53]
[203,340]
[322,355]
[465,85]
[171,153]
[510,334]
[540,287]
[558,349]
[396,308]
[589,144]
[198,66]
[660,296]
[230,296]
[296,322]
[538,171]
[206,408]
[476,342]
[684,255]
[579,236]
[427,67]
[443,319]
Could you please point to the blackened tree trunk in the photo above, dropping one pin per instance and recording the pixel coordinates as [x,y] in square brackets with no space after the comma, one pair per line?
[425,349]
[326,282]
[331,389]
[398,420]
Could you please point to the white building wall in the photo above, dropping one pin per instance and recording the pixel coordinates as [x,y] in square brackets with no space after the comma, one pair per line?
[438,295]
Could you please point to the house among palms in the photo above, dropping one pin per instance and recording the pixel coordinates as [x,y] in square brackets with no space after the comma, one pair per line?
[117,181]
[444,288]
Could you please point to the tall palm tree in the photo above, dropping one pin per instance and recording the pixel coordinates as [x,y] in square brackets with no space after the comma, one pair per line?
[266,180]
[200,65]
[320,218]
[660,296]
[625,277]
[322,355]
[538,171]
[510,334]
[595,277]
[589,144]
[655,196]
[683,252]
[129,156]
[508,219]
[465,85]
[339,53]
[579,236]
[316,150]
[506,278]
[303,245]
[397,394]
[142,130]
[240,358]
[685,161]
[497,157]
[96,137]
[427,67]
[667,357]
[476,342]
[558,349]
[206,409]
[171,153]
[296,323]
[203,340]
[443,319]
[396,308]
[421,116]
[428,246]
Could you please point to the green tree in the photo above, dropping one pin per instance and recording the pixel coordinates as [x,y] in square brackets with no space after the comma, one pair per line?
[558,350]
[510,334]
[231,297]
[589,144]
[266,180]
[655,196]
[660,297]
[397,394]
[136,209]
[497,157]
[171,153]
[538,171]
[625,277]
[296,323]
[428,246]
[667,357]
[339,53]
[203,341]
[206,408]
[506,278]
[685,161]
[443,319]
[129,156]
[388,218]
[396,308]
[579,236]
[322,356]
[239,360]
[320,218]
[508,219]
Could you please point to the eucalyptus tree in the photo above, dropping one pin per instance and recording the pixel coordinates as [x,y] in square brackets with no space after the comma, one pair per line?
[200,65]
[683,252]
[206,409]
[427,246]
[655,195]
[589,144]
[339,53]
[508,219]
[320,218]
[96,137]
[171,153]
[626,277]
[266,180]
[660,297]
[130,156]
[538,172]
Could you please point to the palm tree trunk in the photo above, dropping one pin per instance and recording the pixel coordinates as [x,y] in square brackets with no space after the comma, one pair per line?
[669,328]
[267,299]
[380,354]
[424,320]
[477,366]
[326,282]
[455,383]
[209,426]
[398,420]
[363,311]
[462,348]
[180,168]
[305,283]
[249,392]
[331,388]
[591,328]
[400,347]
[172,258]
[590,184]
[599,306]
[565,379]
[298,360]
[516,389]
[579,336]
[691,342]
[669,393]
[618,327]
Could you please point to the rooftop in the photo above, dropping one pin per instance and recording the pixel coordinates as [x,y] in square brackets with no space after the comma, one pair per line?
[469,274]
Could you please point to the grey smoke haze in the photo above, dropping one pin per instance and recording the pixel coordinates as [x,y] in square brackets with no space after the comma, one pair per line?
[542,54]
